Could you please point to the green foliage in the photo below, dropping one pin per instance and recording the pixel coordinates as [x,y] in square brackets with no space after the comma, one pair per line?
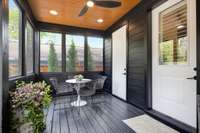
[79,77]
[35,116]
[31,98]
[43,34]
[166,50]
[47,97]
[20,84]
[52,59]
[71,57]
[14,121]
[13,27]
[90,59]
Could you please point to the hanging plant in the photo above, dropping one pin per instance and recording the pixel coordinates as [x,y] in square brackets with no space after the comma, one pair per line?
[27,103]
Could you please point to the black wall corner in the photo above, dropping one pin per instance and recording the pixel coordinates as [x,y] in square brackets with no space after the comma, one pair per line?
[4,64]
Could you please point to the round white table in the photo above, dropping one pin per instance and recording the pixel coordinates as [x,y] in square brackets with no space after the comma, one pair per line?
[77,85]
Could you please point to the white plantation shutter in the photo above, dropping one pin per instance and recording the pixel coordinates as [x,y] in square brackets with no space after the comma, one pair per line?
[173,35]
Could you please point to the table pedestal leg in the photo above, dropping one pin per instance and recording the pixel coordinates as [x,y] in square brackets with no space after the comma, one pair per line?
[79,102]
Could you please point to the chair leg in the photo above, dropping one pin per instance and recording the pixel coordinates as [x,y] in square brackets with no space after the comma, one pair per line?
[71,100]
[104,93]
[92,99]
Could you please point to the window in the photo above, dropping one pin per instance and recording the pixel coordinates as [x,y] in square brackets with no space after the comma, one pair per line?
[14,30]
[173,35]
[95,54]
[50,52]
[29,48]
[74,53]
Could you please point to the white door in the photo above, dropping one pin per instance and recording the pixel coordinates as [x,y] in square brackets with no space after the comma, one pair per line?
[119,40]
[174,59]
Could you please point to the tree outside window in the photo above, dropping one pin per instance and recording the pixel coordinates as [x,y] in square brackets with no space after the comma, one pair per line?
[71,57]
[95,54]
[50,52]
[74,53]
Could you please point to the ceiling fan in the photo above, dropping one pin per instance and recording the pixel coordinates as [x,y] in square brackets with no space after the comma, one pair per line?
[101,3]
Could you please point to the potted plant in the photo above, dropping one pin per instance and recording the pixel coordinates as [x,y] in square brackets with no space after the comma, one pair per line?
[79,77]
[28,102]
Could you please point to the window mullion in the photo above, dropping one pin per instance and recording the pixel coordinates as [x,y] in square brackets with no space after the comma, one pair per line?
[85,53]
[22,41]
[63,52]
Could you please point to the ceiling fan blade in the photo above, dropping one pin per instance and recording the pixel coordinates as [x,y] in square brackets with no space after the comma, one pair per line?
[107,3]
[83,11]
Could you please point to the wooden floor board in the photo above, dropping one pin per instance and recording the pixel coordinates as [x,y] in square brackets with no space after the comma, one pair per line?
[64,127]
[56,122]
[101,122]
[115,121]
[93,121]
[104,115]
[71,122]
[79,122]
[87,122]
[116,118]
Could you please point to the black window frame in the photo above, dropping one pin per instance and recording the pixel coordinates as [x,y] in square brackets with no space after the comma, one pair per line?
[21,41]
[65,32]
[87,44]
[62,47]
[25,44]
[85,66]
[24,18]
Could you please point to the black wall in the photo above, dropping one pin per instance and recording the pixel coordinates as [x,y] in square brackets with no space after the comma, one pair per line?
[198,64]
[139,52]
[3,64]
[136,90]
[108,62]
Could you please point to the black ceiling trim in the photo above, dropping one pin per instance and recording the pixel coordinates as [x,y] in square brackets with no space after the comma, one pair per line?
[43,26]
[28,12]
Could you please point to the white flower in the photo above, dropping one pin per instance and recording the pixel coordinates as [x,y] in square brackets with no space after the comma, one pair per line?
[42,93]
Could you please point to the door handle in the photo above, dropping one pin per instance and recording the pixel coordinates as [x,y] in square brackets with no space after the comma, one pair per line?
[124,73]
[194,78]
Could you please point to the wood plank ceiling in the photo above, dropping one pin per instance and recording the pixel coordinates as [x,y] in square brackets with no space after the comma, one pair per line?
[68,11]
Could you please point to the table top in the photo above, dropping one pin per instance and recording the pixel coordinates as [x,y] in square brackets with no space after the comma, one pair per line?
[74,81]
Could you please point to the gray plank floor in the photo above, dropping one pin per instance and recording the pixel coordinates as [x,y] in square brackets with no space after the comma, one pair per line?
[104,115]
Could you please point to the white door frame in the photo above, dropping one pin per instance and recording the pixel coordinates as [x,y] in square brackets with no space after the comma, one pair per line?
[192,27]
[120,93]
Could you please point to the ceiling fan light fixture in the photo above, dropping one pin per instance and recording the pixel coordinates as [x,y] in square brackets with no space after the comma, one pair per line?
[53,12]
[100,20]
[180,26]
[90,3]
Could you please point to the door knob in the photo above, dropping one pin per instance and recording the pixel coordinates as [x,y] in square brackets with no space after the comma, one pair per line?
[124,73]
[194,78]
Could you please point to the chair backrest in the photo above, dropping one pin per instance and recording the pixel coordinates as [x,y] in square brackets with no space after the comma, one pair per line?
[101,82]
[93,85]
[54,81]
[70,76]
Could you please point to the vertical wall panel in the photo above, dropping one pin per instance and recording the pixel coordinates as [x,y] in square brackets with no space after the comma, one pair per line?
[136,86]
[108,62]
